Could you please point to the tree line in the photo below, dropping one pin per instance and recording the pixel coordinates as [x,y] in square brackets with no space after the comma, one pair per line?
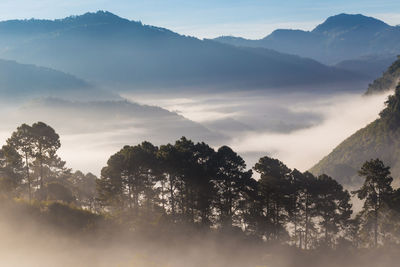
[192,184]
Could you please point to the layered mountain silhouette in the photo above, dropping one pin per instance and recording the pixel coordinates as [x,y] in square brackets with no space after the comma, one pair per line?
[379,139]
[340,38]
[22,82]
[372,66]
[115,121]
[106,49]
[388,81]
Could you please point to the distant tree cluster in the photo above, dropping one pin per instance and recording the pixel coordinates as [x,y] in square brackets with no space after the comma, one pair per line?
[191,184]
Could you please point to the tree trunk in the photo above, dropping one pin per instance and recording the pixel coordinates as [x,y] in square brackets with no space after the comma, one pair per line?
[306,226]
[28,176]
[162,194]
[41,167]
[376,227]
[171,191]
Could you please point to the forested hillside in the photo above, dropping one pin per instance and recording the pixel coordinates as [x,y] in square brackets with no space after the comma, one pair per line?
[388,81]
[380,139]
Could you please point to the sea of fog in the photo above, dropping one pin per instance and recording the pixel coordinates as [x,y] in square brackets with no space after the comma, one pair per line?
[297,128]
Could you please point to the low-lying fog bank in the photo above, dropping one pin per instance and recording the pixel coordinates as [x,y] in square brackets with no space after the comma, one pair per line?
[298,128]
[48,235]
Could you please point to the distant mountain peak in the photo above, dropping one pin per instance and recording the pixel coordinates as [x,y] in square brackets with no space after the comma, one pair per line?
[286,33]
[348,21]
[100,16]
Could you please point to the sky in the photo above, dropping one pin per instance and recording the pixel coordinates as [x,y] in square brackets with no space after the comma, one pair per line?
[210,18]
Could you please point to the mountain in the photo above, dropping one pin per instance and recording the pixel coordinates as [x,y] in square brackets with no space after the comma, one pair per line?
[379,139]
[388,81]
[341,37]
[345,24]
[22,81]
[124,55]
[121,118]
[372,66]
[99,128]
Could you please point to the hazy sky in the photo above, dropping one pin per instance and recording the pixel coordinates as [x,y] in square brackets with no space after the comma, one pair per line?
[210,18]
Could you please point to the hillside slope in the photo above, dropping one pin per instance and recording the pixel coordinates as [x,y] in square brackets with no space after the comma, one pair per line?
[22,82]
[388,81]
[380,139]
[106,49]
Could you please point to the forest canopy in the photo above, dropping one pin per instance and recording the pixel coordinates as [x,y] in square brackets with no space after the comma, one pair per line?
[193,185]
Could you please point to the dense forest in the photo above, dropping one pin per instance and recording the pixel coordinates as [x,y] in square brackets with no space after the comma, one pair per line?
[190,185]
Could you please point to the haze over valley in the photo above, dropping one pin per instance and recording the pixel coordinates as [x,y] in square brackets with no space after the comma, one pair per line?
[281,98]
[127,144]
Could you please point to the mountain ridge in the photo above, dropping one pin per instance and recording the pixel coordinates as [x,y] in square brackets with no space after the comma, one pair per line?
[345,21]
[379,139]
[388,81]
[134,55]
[339,38]
[24,81]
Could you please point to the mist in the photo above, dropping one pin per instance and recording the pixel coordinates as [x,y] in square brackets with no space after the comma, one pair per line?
[298,128]
[130,145]
[45,241]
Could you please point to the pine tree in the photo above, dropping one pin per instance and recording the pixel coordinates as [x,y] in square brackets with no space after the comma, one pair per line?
[376,191]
